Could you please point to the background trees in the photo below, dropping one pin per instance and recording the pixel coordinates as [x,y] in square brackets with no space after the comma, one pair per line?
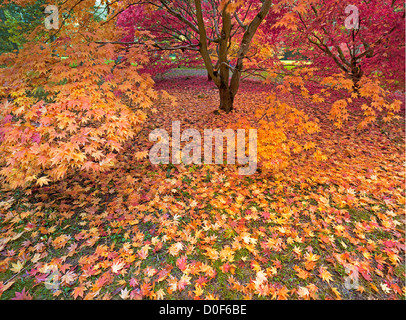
[16,22]
[220,31]
[317,29]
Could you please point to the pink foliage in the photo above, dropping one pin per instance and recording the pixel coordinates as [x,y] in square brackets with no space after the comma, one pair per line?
[381,34]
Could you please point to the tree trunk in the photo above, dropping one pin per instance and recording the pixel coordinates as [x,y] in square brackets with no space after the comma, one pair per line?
[356,76]
[355,81]
[221,76]
[226,99]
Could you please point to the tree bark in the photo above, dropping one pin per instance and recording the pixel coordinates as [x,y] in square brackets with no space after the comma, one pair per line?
[203,42]
[356,77]
[226,99]
[221,77]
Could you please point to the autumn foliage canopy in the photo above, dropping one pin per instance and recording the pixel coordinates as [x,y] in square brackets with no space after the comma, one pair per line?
[85,214]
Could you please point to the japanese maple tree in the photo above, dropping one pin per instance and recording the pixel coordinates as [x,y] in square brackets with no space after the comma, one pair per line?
[60,98]
[221,32]
[358,38]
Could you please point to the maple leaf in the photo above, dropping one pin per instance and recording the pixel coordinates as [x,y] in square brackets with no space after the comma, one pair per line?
[134,282]
[160,294]
[303,292]
[5,287]
[17,266]
[385,288]
[396,288]
[312,257]
[310,265]
[60,241]
[162,275]
[265,215]
[338,295]
[23,295]
[172,284]
[146,289]
[225,268]
[198,290]
[69,277]
[360,289]
[78,291]
[124,294]
[183,282]
[283,293]
[117,266]
[143,253]
[91,295]
[255,266]
[182,263]
[301,273]
[325,275]
[141,155]
[175,248]
[227,254]
[261,277]
[43,181]
[374,287]
[136,294]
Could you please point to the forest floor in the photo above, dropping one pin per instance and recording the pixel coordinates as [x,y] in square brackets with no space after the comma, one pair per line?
[318,230]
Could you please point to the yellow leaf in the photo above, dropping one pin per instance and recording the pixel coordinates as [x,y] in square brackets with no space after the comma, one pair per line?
[374,287]
[160,294]
[199,290]
[121,282]
[17,267]
[325,275]
[5,287]
[338,295]
[43,181]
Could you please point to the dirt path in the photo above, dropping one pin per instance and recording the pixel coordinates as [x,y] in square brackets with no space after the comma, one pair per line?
[181,72]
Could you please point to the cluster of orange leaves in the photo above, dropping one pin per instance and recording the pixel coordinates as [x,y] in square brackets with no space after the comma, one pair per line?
[60,102]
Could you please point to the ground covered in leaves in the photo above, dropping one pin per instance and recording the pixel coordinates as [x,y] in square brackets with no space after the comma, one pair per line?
[325,230]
